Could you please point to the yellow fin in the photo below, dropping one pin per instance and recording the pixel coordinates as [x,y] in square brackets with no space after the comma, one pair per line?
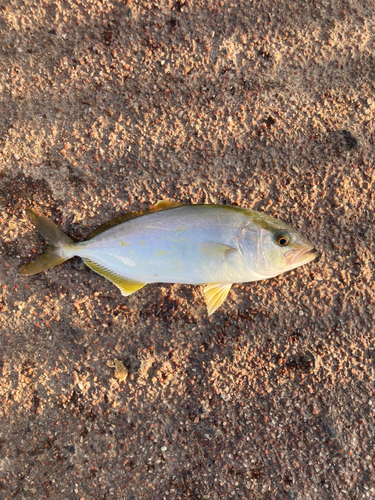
[160,205]
[56,241]
[166,205]
[43,263]
[215,294]
[126,285]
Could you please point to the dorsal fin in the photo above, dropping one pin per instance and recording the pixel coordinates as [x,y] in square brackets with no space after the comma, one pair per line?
[160,205]
[166,205]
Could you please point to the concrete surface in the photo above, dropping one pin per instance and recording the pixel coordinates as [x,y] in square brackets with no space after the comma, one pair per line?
[111,106]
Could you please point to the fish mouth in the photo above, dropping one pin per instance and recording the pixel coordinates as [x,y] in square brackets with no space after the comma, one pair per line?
[297,258]
[307,255]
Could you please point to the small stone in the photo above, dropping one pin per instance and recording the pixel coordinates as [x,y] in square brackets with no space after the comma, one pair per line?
[121,372]
[16,157]
[163,448]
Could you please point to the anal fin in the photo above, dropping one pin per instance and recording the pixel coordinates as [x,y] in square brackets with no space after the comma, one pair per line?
[215,294]
[126,285]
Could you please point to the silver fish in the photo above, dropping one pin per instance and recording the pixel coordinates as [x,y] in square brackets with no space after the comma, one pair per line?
[213,245]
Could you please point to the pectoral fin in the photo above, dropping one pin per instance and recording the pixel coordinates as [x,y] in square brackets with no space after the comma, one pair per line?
[126,285]
[215,294]
[216,249]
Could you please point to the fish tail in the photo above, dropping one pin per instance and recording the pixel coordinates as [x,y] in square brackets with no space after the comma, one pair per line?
[58,242]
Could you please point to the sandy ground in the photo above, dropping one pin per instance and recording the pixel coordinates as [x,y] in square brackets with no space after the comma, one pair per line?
[111,106]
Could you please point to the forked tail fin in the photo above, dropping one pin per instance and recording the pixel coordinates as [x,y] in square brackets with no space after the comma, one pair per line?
[55,239]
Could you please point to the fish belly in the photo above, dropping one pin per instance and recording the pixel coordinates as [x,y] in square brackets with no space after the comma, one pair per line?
[176,246]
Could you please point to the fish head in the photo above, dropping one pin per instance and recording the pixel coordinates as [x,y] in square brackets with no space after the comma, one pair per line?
[271,247]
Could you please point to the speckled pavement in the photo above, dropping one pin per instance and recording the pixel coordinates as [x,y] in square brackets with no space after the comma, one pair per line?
[110,106]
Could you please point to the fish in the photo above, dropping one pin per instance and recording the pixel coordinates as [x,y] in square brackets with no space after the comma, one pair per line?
[211,245]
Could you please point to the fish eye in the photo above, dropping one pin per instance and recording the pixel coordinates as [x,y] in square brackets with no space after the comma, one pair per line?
[282,239]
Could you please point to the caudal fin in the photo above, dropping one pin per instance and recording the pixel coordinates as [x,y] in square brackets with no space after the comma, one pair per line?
[55,239]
